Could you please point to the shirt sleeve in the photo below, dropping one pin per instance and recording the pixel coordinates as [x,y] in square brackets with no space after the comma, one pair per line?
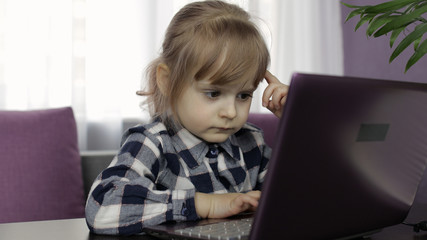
[124,198]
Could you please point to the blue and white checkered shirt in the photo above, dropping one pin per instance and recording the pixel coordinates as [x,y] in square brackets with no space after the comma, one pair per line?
[154,177]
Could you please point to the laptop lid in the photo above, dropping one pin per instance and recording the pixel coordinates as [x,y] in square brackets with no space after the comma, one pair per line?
[349,156]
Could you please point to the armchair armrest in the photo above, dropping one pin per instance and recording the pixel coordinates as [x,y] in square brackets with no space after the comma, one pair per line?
[93,162]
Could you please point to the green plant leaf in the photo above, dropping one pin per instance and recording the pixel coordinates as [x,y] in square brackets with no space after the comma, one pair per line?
[364,20]
[401,21]
[417,33]
[419,53]
[389,6]
[378,22]
[355,13]
[395,34]
[417,42]
[419,4]
[412,6]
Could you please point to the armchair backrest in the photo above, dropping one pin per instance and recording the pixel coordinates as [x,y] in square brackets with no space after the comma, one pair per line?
[40,171]
[268,122]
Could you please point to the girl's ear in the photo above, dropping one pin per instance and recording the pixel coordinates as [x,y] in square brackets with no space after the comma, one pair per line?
[162,77]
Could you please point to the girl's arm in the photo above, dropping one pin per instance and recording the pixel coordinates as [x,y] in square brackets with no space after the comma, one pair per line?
[124,197]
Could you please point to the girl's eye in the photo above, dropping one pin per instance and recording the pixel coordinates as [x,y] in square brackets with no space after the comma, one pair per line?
[244,96]
[212,94]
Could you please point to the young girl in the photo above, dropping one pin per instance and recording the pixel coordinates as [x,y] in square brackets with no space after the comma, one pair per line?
[198,158]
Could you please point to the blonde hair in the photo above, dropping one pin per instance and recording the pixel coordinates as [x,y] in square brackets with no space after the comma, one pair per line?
[210,38]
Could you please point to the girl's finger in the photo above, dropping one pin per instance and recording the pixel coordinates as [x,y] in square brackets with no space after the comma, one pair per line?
[270,78]
[267,95]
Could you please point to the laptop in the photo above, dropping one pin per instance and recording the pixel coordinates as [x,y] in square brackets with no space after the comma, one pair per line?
[348,159]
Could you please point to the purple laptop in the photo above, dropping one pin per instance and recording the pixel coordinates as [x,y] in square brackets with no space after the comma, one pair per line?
[348,159]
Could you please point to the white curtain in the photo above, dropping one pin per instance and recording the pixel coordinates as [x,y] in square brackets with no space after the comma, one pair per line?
[91,54]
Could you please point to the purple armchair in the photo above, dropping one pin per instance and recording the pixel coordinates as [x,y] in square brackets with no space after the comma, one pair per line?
[40,170]
[268,123]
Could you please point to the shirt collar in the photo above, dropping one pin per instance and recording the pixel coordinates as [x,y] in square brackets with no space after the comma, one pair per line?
[193,149]
[231,147]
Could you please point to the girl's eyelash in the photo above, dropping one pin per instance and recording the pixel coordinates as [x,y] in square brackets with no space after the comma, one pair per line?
[244,96]
[212,93]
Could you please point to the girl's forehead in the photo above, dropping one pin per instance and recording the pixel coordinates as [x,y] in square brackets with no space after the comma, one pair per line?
[228,61]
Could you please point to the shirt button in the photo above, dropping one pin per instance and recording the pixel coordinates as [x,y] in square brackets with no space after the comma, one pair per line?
[214,151]
[184,210]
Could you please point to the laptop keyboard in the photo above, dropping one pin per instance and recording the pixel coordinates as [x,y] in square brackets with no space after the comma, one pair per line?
[229,230]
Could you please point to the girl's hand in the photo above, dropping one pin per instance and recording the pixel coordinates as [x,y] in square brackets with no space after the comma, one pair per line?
[274,96]
[225,205]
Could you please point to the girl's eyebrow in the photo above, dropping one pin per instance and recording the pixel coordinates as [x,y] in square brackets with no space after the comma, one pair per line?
[207,85]
[252,89]
[248,88]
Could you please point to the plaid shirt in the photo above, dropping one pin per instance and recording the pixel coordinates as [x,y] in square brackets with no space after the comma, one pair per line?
[154,177]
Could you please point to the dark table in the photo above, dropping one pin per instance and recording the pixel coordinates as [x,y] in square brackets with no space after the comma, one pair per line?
[76,229]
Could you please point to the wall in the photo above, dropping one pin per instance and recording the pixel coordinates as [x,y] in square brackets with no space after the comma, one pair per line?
[368,57]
